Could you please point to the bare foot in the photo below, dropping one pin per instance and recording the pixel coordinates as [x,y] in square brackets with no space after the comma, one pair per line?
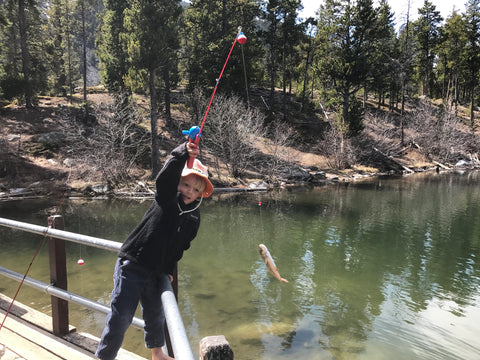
[158,354]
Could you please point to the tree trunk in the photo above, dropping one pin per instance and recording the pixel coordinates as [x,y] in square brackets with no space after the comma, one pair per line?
[154,126]
[84,46]
[69,52]
[284,81]
[166,80]
[22,23]
[365,95]
[346,103]
[273,73]
[305,76]
[472,110]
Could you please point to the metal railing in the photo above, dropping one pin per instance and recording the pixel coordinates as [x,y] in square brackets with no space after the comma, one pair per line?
[176,330]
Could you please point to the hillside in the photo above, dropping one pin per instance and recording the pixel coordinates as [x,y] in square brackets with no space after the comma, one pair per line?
[39,148]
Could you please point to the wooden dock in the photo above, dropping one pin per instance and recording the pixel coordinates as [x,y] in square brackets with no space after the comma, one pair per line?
[27,335]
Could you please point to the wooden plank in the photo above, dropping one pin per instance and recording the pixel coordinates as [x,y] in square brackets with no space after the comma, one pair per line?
[8,354]
[36,343]
[29,314]
[85,343]
[23,349]
[90,342]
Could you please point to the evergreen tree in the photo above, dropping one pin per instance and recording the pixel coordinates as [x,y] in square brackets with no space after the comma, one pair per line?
[427,35]
[305,50]
[271,38]
[366,33]
[25,51]
[407,47]
[63,31]
[3,47]
[110,50]
[152,43]
[85,23]
[209,31]
[24,62]
[55,48]
[341,55]
[472,52]
[452,54]
[290,31]
[11,83]
[383,59]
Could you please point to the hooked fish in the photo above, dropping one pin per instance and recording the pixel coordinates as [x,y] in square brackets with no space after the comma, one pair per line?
[269,262]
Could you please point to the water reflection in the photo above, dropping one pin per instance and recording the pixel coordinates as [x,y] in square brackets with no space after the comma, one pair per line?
[379,270]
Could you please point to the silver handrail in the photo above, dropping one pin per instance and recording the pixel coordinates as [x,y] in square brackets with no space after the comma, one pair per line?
[63,294]
[61,234]
[180,344]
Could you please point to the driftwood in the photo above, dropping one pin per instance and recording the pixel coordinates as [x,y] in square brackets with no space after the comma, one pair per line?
[441,165]
[397,165]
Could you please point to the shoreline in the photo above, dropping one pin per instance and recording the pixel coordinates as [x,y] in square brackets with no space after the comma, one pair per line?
[99,191]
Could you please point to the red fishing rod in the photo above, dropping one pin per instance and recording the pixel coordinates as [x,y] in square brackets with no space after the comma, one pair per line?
[195,132]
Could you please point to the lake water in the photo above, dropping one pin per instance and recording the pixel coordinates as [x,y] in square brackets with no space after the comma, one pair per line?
[384,269]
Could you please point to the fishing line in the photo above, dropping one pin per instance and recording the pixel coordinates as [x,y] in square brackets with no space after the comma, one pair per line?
[243,39]
[261,221]
[245,75]
[51,221]
[80,260]
[194,135]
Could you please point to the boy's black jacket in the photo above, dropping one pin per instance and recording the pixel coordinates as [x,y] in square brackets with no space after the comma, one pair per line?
[162,236]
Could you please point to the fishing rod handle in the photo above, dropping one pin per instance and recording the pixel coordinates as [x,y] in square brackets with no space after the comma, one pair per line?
[193,137]
[191,159]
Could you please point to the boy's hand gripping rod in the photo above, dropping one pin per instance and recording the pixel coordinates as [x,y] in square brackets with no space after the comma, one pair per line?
[195,132]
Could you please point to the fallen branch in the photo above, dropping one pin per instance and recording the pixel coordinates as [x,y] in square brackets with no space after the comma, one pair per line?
[441,165]
[393,160]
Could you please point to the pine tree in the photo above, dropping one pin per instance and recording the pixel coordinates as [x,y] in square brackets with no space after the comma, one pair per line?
[427,35]
[272,44]
[407,47]
[343,48]
[452,55]
[85,26]
[366,31]
[110,50]
[24,52]
[12,82]
[290,35]
[383,59]
[55,49]
[152,43]
[305,50]
[472,21]
[209,31]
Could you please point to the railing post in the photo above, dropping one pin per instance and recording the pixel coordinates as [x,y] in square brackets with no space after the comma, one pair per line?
[58,277]
[215,348]
[168,342]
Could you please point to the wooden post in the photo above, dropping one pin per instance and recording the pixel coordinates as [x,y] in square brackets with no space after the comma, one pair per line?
[58,277]
[215,348]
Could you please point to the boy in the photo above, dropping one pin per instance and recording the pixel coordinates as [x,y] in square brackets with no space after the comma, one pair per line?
[153,249]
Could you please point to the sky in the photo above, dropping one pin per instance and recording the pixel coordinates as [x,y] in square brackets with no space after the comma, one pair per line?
[399,7]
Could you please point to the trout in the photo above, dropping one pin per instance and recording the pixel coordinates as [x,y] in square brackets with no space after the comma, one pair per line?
[269,262]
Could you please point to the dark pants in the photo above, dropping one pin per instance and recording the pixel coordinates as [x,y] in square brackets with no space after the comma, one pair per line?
[132,284]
